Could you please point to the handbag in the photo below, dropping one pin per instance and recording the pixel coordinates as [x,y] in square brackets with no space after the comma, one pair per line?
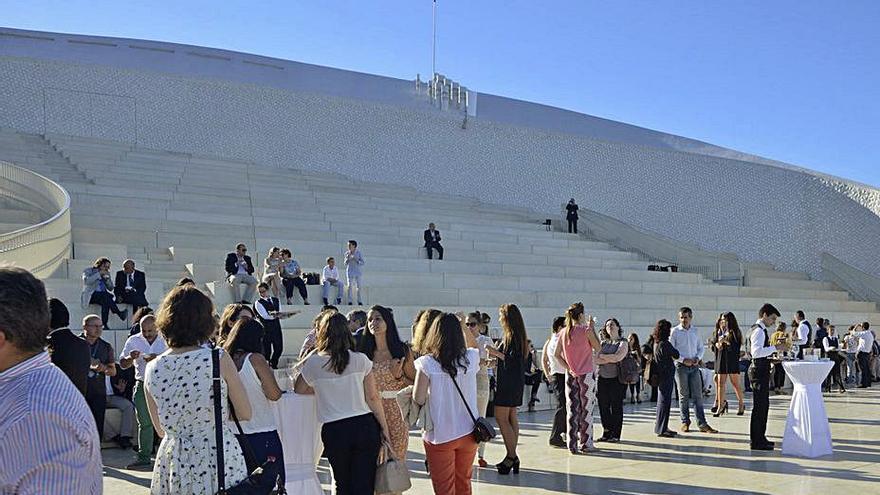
[483,430]
[250,484]
[392,476]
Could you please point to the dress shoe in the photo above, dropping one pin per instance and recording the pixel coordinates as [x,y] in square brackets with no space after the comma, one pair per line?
[139,465]
[707,429]
[668,434]
[558,442]
[762,446]
[685,427]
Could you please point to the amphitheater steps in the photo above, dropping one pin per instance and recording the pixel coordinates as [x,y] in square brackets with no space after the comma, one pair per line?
[188,211]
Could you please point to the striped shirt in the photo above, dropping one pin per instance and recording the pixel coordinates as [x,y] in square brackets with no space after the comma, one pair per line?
[49,439]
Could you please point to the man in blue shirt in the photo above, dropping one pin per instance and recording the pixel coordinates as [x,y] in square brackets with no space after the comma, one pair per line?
[686,340]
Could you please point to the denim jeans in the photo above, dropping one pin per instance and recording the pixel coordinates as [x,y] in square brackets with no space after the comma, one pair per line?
[690,389]
[353,280]
[851,372]
[325,292]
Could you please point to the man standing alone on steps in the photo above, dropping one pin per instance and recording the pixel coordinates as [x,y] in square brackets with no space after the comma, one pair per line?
[571,214]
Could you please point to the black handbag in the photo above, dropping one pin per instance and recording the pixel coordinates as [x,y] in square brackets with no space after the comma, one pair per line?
[483,429]
[249,485]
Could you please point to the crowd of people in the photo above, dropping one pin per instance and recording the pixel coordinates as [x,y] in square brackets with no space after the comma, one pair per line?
[371,386]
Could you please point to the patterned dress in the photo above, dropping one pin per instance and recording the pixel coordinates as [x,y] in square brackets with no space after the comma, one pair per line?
[398,430]
[186,462]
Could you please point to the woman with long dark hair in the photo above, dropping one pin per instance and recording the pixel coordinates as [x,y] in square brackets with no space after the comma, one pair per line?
[576,346]
[446,379]
[635,350]
[664,363]
[245,345]
[727,343]
[393,370]
[348,405]
[510,381]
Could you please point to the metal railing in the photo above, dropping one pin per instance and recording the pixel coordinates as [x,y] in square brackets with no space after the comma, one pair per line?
[719,267]
[860,284]
[40,248]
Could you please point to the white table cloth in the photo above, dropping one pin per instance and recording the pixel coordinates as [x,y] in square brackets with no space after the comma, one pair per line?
[807,433]
[300,434]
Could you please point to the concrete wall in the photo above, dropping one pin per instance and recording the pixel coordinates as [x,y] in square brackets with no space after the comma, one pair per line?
[756,210]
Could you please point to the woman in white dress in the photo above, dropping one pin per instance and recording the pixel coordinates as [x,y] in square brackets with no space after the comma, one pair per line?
[180,398]
[272,267]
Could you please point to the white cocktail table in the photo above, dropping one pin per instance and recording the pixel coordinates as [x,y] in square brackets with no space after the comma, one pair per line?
[807,433]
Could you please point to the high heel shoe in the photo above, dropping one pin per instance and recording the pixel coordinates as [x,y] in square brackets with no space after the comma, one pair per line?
[508,464]
[721,411]
[741,410]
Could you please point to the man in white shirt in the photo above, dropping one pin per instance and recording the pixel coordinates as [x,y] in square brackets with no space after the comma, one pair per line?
[140,349]
[803,332]
[759,374]
[686,340]
[330,276]
[126,408]
[866,343]
[554,370]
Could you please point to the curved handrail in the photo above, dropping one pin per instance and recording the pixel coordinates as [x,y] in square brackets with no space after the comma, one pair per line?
[42,247]
[859,283]
[720,267]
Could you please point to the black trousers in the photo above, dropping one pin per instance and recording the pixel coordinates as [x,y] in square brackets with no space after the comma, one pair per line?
[573,226]
[535,381]
[273,344]
[635,389]
[759,375]
[299,283]
[98,405]
[560,425]
[105,299]
[135,299]
[431,246]
[610,393]
[865,368]
[351,445]
[835,378]
[778,375]
[664,403]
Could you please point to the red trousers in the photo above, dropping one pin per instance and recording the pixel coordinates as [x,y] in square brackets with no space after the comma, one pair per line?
[451,465]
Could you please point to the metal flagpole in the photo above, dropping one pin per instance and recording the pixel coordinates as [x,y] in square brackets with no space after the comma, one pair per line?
[434,40]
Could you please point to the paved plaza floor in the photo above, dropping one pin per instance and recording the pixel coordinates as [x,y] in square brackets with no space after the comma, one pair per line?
[694,463]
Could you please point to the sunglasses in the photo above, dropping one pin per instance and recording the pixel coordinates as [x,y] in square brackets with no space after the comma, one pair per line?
[471,324]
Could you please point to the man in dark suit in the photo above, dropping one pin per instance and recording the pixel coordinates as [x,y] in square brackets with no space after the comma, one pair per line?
[131,286]
[432,241]
[240,270]
[67,351]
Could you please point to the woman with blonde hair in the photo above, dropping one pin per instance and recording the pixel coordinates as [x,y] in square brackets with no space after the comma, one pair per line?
[575,350]
[420,328]
[510,381]
[273,265]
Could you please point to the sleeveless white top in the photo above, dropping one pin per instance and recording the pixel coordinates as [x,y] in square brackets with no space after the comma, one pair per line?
[263,410]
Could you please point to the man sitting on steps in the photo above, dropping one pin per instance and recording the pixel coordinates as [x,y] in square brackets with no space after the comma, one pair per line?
[432,241]
[240,270]
[330,276]
[131,286]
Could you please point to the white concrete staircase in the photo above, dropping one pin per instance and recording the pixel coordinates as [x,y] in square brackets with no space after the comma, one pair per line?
[178,215]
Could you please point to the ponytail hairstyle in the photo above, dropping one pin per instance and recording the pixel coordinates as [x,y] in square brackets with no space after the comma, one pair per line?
[572,316]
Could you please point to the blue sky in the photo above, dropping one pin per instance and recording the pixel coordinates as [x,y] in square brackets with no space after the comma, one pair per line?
[793,80]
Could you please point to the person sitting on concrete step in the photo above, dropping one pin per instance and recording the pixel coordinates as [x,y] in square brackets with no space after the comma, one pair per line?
[330,277]
[98,289]
[131,286]
[240,270]
[291,276]
[432,241]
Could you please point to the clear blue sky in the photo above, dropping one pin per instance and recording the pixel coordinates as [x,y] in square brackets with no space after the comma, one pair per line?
[793,80]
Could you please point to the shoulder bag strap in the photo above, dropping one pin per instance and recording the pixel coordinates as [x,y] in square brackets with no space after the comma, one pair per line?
[468,407]
[249,456]
[218,421]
